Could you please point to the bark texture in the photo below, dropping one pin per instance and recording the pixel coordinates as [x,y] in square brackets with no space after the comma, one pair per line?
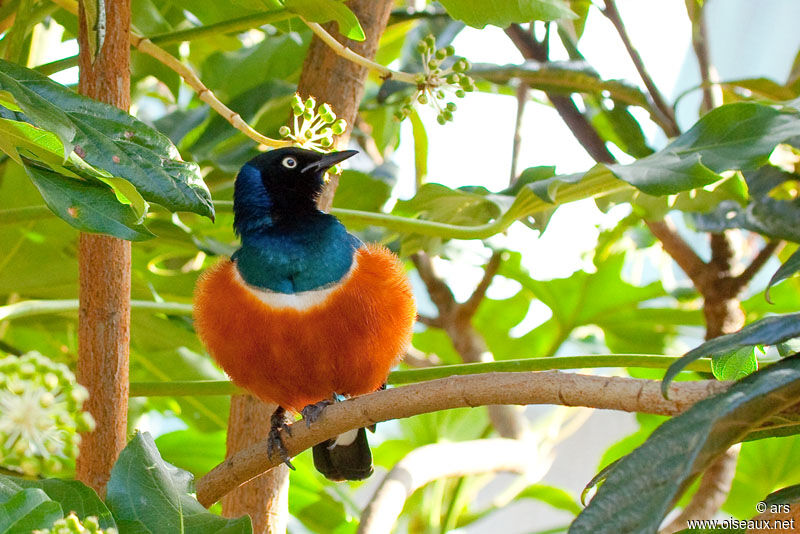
[266,497]
[105,273]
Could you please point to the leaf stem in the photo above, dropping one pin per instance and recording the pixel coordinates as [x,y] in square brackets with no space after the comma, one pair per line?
[349,55]
[28,308]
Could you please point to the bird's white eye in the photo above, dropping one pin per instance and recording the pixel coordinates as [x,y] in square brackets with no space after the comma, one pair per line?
[289,162]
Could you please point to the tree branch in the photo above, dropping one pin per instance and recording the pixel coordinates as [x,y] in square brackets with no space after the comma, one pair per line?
[469,307]
[569,389]
[758,262]
[661,107]
[440,293]
[696,11]
[674,245]
[436,461]
[579,125]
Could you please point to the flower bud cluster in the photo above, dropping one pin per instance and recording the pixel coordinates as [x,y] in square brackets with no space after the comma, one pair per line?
[40,414]
[72,525]
[313,126]
[434,82]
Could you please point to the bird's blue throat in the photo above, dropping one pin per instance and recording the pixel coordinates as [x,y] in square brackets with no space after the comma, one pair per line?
[287,247]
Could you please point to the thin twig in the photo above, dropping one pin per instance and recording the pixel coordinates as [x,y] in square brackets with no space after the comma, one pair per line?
[660,103]
[522,99]
[581,128]
[568,389]
[674,245]
[348,54]
[440,293]
[711,97]
[758,262]
[469,307]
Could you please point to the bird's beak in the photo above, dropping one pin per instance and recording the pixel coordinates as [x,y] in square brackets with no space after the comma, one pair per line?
[327,161]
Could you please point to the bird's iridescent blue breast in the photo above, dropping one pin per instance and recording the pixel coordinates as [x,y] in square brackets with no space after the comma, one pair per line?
[287,248]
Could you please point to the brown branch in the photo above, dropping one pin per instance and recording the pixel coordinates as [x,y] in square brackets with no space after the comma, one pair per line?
[674,245]
[104,265]
[696,11]
[712,492]
[440,293]
[469,307]
[434,322]
[546,387]
[522,99]
[434,462]
[578,124]
[661,107]
[418,359]
[758,262]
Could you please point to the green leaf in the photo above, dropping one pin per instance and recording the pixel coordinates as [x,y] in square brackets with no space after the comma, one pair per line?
[147,494]
[361,191]
[327,10]
[28,510]
[555,497]
[736,136]
[788,495]
[735,365]
[109,139]
[420,146]
[767,216]
[73,496]
[502,13]
[87,205]
[767,331]
[42,144]
[641,488]
[196,452]
[789,267]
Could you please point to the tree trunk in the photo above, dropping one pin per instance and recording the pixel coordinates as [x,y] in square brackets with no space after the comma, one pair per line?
[105,272]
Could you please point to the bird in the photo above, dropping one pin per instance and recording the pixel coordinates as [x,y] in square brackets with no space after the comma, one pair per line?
[303,314]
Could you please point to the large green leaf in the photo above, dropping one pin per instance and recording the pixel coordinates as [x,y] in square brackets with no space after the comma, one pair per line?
[767,331]
[641,488]
[73,496]
[147,494]
[87,205]
[732,137]
[789,267]
[28,510]
[479,13]
[328,10]
[107,138]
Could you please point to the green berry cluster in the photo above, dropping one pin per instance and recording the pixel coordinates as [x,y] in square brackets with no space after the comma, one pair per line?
[313,128]
[72,525]
[40,414]
[434,83]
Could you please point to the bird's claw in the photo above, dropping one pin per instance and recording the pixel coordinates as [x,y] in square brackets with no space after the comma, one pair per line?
[275,443]
[312,412]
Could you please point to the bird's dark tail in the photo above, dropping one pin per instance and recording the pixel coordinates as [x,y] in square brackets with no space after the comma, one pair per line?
[345,458]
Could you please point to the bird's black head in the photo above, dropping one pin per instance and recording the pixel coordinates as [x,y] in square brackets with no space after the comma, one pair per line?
[280,184]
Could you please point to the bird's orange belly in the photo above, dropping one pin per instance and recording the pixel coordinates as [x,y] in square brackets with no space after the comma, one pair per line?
[345,340]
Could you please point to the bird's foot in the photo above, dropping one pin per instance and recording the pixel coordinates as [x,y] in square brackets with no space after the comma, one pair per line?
[312,412]
[279,422]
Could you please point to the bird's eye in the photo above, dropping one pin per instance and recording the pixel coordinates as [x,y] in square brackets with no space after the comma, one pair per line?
[289,162]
